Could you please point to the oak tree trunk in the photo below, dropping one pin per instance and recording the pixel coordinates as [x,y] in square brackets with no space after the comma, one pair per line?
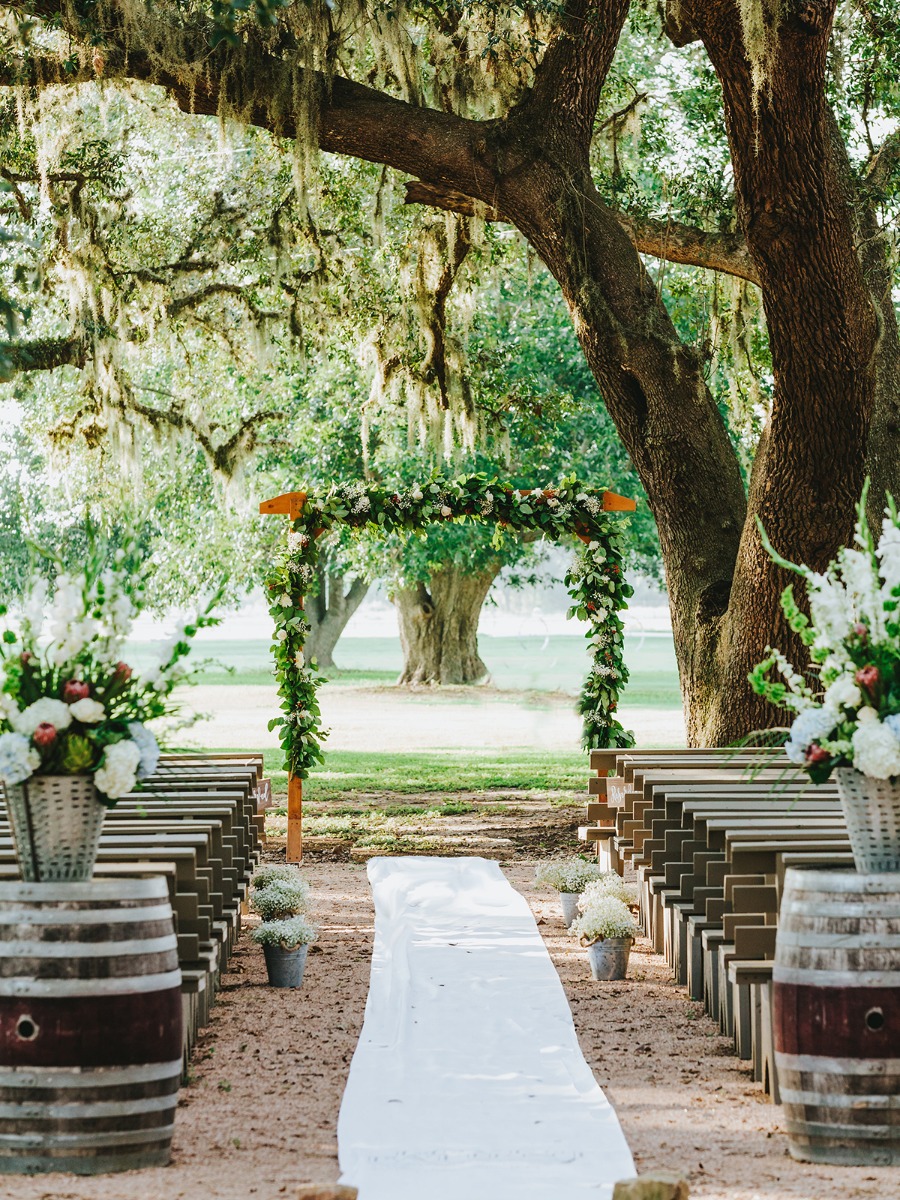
[823,331]
[439,627]
[329,609]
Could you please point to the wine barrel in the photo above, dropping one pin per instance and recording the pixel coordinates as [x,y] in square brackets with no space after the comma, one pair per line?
[90,1026]
[836,1016]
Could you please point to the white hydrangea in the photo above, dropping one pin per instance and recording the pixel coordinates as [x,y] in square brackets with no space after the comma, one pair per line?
[809,726]
[18,760]
[147,745]
[876,750]
[843,693]
[44,711]
[888,553]
[87,710]
[117,773]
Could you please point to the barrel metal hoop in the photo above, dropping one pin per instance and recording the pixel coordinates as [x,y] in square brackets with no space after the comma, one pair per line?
[811,977]
[80,1077]
[132,947]
[77,1110]
[92,1140]
[52,917]
[831,1130]
[875,1102]
[837,1066]
[148,887]
[91,987]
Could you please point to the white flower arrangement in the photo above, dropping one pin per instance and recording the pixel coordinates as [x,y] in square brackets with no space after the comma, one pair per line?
[600,917]
[288,933]
[280,898]
[567,874]
[269,872]
[611,883]
[69,705]
[847,709]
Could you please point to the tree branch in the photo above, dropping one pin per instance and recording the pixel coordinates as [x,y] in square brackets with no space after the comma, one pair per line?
[883,162]
[418,192]
[44,354]
[678,243]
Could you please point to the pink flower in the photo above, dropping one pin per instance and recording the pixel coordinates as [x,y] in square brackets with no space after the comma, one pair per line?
[75,689]
[122,672]
[44,735]
[816,753]
[869,678]
[861,631]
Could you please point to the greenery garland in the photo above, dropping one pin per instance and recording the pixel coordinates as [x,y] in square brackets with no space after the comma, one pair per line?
[596,583]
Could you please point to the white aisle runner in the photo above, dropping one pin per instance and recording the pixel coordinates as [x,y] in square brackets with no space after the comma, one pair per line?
[468,1082]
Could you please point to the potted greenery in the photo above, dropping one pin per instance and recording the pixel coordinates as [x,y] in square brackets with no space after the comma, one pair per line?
[569,876]
[605,925]
[73,734]
[846,708]
[281,897]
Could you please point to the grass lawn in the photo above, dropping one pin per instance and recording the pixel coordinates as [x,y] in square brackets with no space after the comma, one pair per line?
[526,664]
[348,772]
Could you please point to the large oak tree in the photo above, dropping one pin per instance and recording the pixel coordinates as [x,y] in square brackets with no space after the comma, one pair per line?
[527,162]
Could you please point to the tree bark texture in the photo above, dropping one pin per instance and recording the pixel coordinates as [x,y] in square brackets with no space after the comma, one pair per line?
[329,609]
[531,168]
[823,330]
[439,627]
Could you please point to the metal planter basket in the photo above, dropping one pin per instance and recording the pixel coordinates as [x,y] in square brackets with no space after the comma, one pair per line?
[285,966]
[56,822]
[569,902]
[609,958]
[872,811]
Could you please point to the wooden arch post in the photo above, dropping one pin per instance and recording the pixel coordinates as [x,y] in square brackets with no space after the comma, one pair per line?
[290,504]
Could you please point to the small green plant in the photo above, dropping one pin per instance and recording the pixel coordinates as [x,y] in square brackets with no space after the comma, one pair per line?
[567,874]
[289,933]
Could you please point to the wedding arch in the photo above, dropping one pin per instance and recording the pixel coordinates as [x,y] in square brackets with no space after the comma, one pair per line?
[595,581]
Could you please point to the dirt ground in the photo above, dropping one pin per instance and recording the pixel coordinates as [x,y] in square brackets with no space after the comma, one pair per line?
[259,1114]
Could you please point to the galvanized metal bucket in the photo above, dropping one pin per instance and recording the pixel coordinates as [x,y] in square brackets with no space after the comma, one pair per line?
[609,958]
[285,967]
[569,902]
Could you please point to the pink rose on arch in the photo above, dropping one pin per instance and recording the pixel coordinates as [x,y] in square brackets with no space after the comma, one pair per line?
[75,689]
[44,735]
